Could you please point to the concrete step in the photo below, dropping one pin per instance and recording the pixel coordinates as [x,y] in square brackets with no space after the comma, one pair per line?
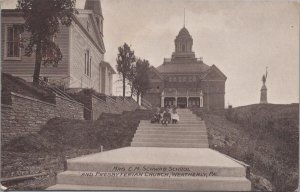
[213,183]
[172,145]
[175,126]
[67,187]
[170,140]
[187,115]
[183,123]
[169,128]
[172,132]
[162,136]
[95,167]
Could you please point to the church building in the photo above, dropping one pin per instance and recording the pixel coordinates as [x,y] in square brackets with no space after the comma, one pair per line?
[186,81]
[81,44]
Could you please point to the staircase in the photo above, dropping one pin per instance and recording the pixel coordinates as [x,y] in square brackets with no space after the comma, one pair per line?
[189,132]
[175,157]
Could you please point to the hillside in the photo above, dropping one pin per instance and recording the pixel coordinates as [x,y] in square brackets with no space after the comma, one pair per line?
[61,139]
[263,136]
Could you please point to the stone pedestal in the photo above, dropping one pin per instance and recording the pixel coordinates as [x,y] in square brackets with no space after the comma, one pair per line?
[263,94]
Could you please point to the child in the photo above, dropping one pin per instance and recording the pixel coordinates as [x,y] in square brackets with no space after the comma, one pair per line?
[166,117]
[156,117]
[174,116]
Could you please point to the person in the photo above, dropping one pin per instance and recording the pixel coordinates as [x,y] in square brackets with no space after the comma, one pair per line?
[174,116]
[156,117]
[166,117]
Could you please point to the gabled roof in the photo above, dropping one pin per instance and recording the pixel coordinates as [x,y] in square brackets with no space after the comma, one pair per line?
[99,44]
[156,72]
[183,67]
[212,69]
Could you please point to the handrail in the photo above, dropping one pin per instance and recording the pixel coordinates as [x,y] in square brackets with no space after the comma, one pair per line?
[55,89]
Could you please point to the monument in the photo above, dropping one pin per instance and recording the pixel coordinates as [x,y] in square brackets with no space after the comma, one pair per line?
[263,90]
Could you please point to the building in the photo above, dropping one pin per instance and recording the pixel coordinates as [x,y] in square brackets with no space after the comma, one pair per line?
[186,81]
[81,44]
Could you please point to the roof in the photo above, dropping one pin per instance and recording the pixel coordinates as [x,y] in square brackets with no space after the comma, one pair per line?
[93,5]
[196,67]
[183,33]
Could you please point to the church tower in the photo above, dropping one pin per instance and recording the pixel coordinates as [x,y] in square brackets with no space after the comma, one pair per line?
[183,46]
[95,6]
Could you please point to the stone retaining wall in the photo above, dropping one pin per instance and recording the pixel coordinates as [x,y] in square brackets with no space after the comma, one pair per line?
[27,115]
[97,104]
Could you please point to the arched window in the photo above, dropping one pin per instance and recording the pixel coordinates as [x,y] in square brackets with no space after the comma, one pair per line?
[183,48]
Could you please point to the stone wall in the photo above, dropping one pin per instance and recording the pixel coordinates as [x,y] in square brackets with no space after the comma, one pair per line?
[98,107]
[68,108]
[27,115]
[97,104]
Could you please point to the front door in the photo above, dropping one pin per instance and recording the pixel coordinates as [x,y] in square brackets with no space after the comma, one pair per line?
[182,102]
[169,101]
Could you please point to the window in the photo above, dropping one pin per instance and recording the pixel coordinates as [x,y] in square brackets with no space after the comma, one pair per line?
[194,78]
[170,79]
[88,26]
[12,42]
[174,79]
[87,64]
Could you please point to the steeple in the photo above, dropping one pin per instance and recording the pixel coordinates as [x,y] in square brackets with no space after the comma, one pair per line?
[94,5]
[183,41]
[183,45]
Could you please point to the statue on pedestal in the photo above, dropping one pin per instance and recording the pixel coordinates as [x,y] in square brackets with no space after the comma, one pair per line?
[263,90]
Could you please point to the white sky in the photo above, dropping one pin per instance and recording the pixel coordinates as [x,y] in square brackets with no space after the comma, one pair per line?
[241,38]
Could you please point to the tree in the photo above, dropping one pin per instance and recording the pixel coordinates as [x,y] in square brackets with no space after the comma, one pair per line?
[125,60]
[131,78]
[42,21]
[141,82]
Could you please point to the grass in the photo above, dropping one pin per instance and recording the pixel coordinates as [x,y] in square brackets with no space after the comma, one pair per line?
[18,85]
[263,136]
[62,138]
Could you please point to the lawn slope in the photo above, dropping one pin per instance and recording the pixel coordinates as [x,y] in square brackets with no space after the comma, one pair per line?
[61,139]
[263,136]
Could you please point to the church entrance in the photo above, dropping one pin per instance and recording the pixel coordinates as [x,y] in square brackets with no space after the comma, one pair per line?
[169,101]
[182,102]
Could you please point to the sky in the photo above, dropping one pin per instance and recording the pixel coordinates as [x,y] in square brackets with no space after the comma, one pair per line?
[241,38]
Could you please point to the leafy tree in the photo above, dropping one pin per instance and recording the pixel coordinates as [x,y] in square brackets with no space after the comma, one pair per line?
[131,78]
[42,21]
[125,60]
[141,82]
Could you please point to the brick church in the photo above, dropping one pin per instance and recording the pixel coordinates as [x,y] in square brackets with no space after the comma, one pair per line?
[186,81]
